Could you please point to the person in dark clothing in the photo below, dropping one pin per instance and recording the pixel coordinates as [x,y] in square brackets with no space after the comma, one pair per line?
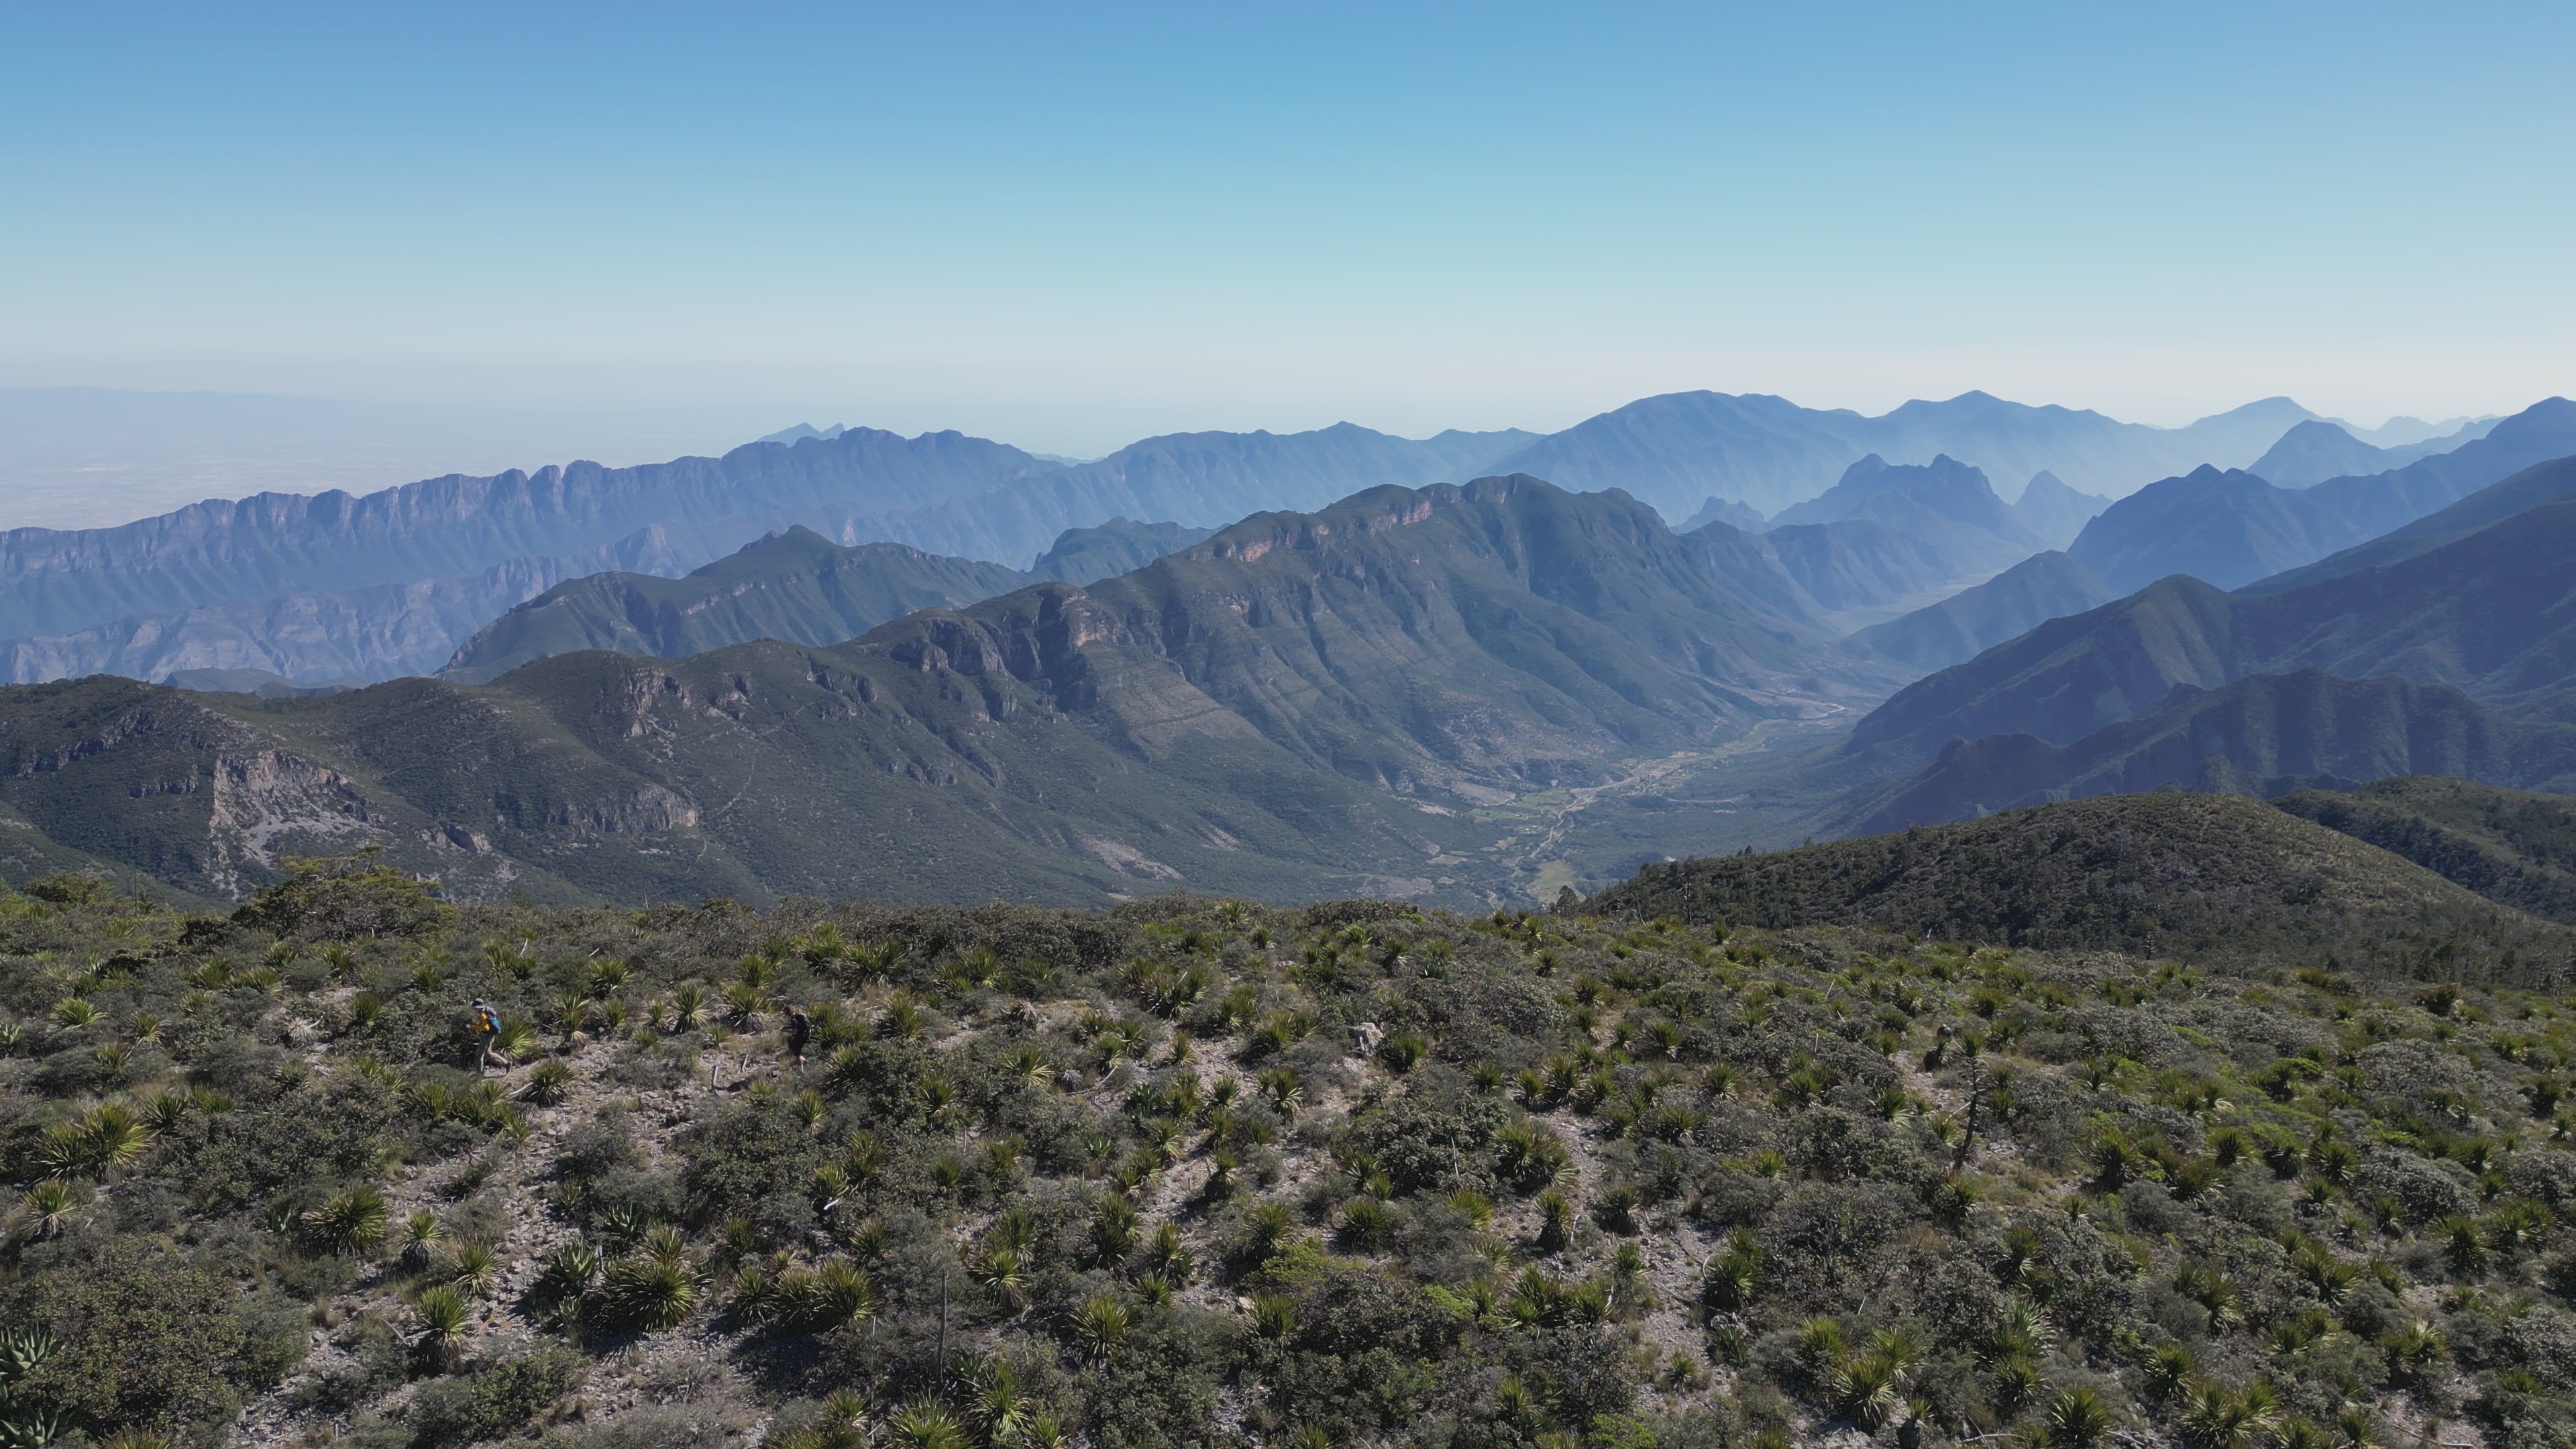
[800,1030]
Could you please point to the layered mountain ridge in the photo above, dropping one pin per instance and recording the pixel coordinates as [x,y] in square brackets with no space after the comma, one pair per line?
[2230,527]
[1300,703]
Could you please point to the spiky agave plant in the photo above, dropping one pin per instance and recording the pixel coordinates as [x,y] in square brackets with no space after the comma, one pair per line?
[648,1294]
[927,1424]
[2076,1419]
[49,1207]
[350,1223]
[548,1083]
[439,1319]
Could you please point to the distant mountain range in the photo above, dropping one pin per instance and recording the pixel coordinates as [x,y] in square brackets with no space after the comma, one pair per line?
[945,493]
[2160,680]
[796,586]
[2056,512]
[1886,536]
[347,635]
[2232,527]
[2319,449]
[1680,449]
[1300,704]
[843,661]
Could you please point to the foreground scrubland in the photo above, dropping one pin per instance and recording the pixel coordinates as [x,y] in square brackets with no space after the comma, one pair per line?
[1196,1172]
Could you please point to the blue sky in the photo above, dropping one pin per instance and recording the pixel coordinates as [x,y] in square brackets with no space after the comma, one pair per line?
[1072,225]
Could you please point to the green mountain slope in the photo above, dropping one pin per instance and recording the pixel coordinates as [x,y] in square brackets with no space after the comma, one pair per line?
[1304,704]
[2262,735]
[2198,877]
[2513,846]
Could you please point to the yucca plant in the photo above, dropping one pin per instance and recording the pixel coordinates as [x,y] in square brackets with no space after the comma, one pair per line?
[1100,1325]
[1556,1221]
[999,1272]
[422,1236]
[1273,1317]
[439,1319]
[647,1294]
[688,1009]
[925,1424]
[568,1272]
[1113,1232]
[1167,1255]
[34,1428]
[548,1083]
[1366,1221]
[350,1222]
[1403,1052]
[49,1207]
[471,1265]
[75,1012]
[838,1294]
[607,977]
[514,1038]
[2076,1419]
[664,1244]
[1268,1229]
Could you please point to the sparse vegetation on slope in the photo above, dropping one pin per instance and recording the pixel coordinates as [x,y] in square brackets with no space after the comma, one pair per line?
[1192,1172]
[2209,878]
[2514,846]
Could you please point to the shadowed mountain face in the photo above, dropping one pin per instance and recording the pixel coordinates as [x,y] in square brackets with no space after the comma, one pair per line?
[2528,489]
[1675,450]
[1081,555]
[362,635]
[797,586]
[1944,493]
[1722,510]
[2318,449]
[2055,512]
[2262,735]
[2492,613]
[2042,587]
[2230,528]
[2198,877]
[1885,537]
[1300,704]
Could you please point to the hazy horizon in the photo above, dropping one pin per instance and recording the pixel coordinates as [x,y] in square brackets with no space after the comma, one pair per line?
[79,456]
[1074,229]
